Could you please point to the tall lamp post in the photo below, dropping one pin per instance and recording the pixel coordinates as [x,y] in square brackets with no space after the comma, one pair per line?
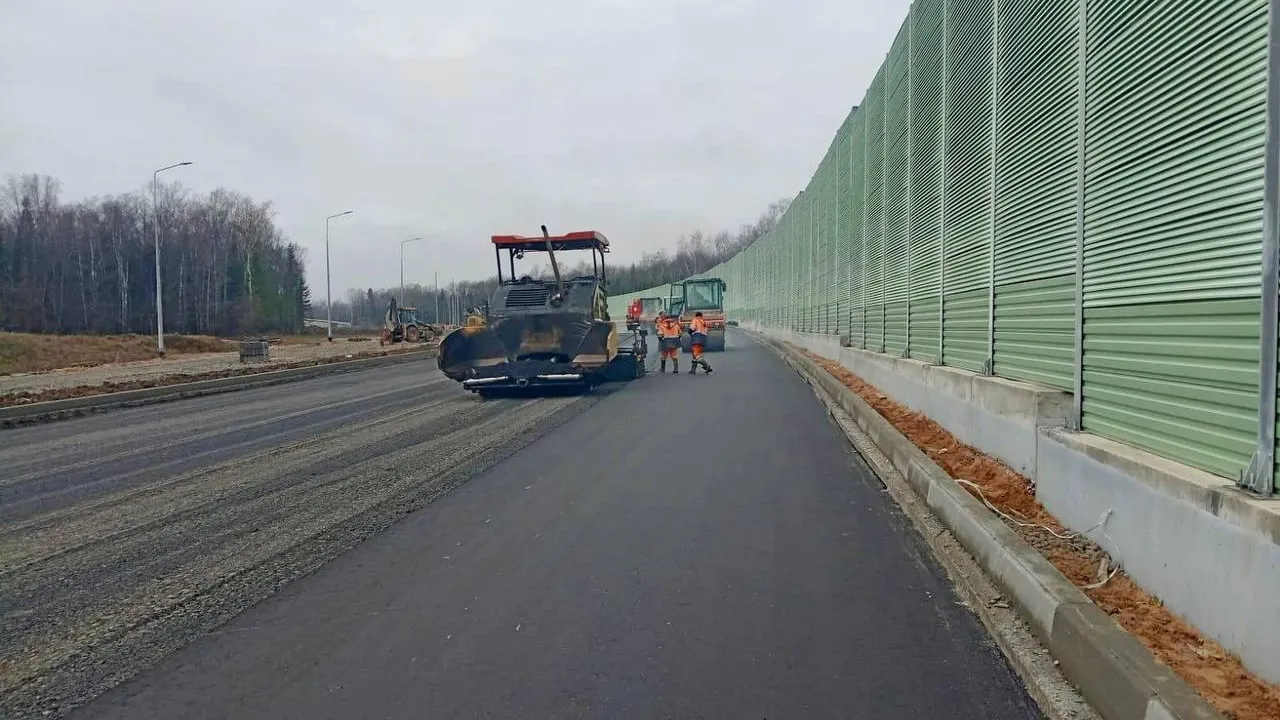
[328,288]
[155,211]
[402,244]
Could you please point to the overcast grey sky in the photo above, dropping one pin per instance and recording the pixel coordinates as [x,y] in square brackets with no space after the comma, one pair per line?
[644,119]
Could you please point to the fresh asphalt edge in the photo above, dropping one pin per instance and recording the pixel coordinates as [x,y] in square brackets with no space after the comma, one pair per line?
[1114,672]
[51,410]
[1057,698]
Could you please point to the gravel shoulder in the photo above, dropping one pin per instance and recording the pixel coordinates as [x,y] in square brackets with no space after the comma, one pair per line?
[123,538]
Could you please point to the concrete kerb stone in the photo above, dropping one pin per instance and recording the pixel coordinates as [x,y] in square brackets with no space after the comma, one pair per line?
[1114,672]
[73,407]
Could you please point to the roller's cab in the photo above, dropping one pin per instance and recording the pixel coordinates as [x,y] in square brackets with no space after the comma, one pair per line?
[704,295]
[541,332]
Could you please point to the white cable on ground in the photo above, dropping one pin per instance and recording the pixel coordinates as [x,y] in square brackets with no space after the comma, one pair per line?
[1102,520]
[1020,523]
[1103,581]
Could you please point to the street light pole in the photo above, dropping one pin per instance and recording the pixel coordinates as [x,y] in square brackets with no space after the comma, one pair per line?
[437,294]
[155,212]
[328,288]
[402,244]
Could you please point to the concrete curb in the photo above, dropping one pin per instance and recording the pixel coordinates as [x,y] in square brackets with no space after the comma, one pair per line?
[1114,672]
[75,407]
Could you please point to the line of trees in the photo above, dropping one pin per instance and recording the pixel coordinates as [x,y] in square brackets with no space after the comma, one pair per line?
[694,253]
[89,266]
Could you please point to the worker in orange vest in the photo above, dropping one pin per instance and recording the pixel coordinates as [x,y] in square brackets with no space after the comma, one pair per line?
[697,339]
[668,342]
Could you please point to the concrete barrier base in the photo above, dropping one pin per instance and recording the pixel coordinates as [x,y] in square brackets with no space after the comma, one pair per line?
[1208,551]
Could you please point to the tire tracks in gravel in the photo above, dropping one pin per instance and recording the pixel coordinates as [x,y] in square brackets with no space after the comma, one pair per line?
[68,484]
[133,511]
[93,594]
[99,450]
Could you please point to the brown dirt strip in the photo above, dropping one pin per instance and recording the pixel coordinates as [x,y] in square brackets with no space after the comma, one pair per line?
[1205,665]
[27,397]
[34,353]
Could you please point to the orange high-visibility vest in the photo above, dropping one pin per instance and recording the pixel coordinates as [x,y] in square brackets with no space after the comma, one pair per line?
[698,325]
[669,328]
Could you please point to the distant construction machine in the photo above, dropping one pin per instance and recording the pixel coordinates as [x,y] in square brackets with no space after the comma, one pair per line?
[704,295]
[643,312]
[402,324]
[541,333]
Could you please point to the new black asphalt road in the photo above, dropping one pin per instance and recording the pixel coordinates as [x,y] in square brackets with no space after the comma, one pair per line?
[684,547]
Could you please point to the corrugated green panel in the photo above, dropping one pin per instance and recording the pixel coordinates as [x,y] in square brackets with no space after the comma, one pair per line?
[827,257]
[873,264]
[1035,331]
[798,250]
[792,287]
[752,281]
[1037,134]
[1178,379]
[781,267]
[810,264]
[799,305]
[895,328]
[781,275]
[769,280]
[857,215]
[808,268]
[777,274]
[1173,218]
[831,220]
[778,268]
[966,178]
[743,289]
[926,178]
[897,92]
[821,267]
[965,323]
[844,229]
[813,265]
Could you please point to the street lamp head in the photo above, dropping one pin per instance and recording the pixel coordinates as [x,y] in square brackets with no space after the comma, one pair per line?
[170,167]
